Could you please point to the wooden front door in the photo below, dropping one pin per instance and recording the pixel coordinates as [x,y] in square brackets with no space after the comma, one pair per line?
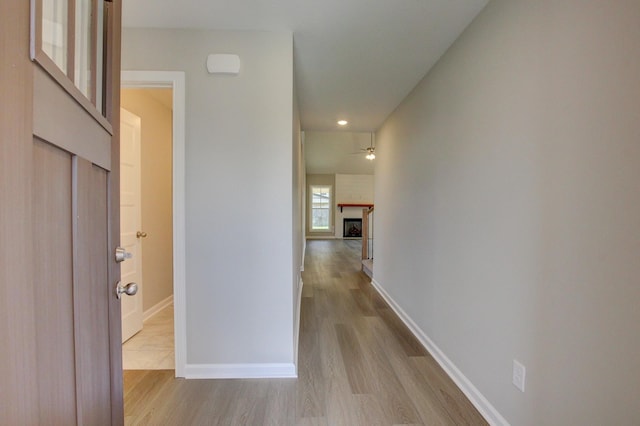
[59,224]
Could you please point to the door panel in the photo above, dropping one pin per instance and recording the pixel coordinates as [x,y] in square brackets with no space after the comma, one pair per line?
[131,220]
[53,276]
[70,220]
[92,292]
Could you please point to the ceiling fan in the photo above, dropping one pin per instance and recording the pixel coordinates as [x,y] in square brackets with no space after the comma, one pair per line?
[370,153]
[370,150]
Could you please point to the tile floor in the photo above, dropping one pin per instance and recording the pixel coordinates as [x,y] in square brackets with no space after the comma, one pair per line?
[152,348]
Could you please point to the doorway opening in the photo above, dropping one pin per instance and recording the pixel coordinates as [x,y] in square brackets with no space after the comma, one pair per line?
[158,98]
[146,227]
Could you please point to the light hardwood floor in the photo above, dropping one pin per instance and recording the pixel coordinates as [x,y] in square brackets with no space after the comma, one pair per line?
[358,365]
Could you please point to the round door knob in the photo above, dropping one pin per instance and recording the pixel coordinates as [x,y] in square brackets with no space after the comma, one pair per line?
[141,234]
[129,289]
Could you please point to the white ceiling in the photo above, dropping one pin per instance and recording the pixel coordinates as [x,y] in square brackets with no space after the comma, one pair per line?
[354,59]
[337,152]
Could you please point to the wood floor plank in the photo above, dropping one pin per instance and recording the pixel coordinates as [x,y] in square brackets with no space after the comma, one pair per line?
[250,404]
[307,289]
[358,372]
[312,421]
[345,307]
[308,317]
[131,379]
[189,401]
[424,398]
[342,409]
[322,304]
[450,396]
[142,388]
[330,357]
[310,395]
[370,412]
[351,280]
[358,365]
[389,393]
[407,340]
[364,303]
[281,402]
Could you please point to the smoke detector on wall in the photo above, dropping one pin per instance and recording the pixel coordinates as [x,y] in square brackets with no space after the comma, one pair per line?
[223,63]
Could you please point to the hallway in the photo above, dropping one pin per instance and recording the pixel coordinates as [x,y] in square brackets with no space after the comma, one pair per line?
[358,365]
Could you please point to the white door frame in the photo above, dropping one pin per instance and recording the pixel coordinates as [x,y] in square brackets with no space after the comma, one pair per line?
[176,81]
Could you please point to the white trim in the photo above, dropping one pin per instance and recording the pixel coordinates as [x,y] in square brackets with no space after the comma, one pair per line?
[297,326]
[320,237]
[481,403]
[176,81]
[304,253]
[149,313]
[240,371]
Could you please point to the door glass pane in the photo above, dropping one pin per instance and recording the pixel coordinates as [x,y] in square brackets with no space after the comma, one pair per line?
[54,31]
[83,47]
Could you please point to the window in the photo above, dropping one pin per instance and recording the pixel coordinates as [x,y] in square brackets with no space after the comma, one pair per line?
[320,208]
[71,41]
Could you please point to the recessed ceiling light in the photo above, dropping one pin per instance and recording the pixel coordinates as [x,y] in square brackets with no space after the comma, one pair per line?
[343,122]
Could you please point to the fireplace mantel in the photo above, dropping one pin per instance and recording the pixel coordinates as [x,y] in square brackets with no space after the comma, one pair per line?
[341,205]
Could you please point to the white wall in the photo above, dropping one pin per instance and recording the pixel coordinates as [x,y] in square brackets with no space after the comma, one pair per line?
[508,208]
[298,238]
[238,160]
[354,189]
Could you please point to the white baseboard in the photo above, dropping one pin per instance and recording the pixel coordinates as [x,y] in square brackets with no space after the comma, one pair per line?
[240,371]
[481,403]
[320,237]
[297,326]
[157,308]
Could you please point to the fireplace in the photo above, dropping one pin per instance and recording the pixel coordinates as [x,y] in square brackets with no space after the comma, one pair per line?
[352,228]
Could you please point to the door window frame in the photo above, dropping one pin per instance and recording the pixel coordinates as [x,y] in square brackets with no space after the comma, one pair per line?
[66,80]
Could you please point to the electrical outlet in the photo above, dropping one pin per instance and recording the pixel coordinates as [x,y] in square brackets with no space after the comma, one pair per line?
[519,375]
